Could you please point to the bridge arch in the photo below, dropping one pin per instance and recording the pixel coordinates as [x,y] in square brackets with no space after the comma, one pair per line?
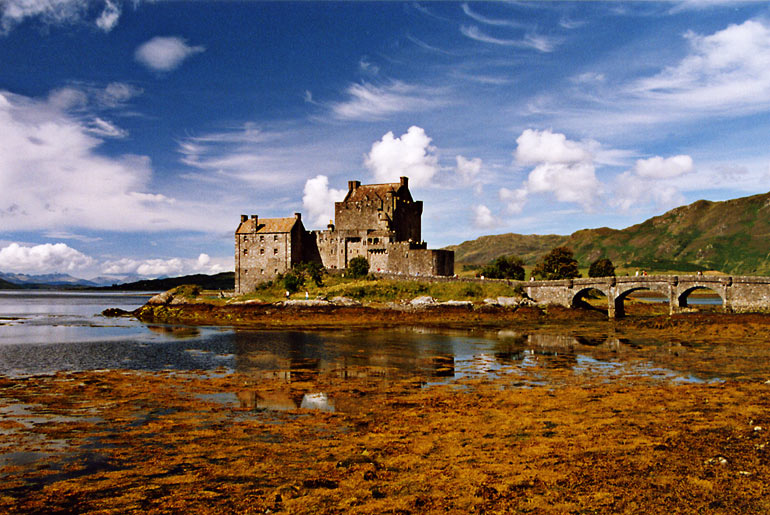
[683,296]
[621,296]
[579,299]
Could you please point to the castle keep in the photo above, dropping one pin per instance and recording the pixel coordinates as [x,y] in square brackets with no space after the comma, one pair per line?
[380,222]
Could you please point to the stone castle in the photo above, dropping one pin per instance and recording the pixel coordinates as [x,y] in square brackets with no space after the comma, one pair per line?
[380,222]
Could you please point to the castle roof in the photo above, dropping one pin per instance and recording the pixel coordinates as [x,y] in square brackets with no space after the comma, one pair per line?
[363,192]
[267,225]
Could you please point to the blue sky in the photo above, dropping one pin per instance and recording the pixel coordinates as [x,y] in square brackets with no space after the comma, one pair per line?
[134,134]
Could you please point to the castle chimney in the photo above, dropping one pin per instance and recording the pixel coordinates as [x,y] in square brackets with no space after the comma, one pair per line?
[298,216]
[353,185]
[404,181]
[330,226]
[256,220]
[244,218]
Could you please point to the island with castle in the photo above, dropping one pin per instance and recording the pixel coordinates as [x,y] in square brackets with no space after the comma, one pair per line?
[380,222]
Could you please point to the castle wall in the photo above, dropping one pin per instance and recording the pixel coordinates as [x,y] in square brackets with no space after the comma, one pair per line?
[379,222]
[261,256]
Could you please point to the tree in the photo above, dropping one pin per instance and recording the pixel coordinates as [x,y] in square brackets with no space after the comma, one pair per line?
[358,267]
[504,267]
[601,268]
[300,273]
[293,281]
[560,263]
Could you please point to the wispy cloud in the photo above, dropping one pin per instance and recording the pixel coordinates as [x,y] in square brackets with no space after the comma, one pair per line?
[726,70]
[59,12]
[164,54]
[491,21]
[369,102]
[53,175]
[534,41]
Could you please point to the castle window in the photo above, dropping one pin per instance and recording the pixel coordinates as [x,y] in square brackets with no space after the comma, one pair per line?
[262,271]
[245,251]
[245,238]
[261,237]
[276,270]
[275,252]
[275,237]
[261,251]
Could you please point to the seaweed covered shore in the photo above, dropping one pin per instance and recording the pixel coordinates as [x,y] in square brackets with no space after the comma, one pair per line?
[139,442]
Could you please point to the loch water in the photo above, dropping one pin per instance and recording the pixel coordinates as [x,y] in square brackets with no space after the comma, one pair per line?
[43,332]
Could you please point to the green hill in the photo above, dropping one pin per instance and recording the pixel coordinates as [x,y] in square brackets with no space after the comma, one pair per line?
[731,236]
[221,281]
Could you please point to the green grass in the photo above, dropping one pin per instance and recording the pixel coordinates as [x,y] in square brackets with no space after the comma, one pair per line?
[387,290]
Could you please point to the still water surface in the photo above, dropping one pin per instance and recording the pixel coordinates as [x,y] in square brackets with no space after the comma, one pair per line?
[46,332]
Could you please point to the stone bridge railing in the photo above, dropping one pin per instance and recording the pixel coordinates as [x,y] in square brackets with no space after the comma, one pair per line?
[738,293]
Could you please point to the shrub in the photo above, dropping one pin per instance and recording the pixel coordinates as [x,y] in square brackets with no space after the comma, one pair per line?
[601,268]
[505,267]
[293,281]
[358,267]
[559,263]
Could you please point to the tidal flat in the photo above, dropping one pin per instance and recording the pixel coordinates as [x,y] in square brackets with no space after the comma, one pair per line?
[597,424]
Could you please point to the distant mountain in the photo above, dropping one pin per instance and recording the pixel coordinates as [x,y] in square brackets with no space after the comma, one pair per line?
[222,281]
[45,279]
[5,285]
[731,236]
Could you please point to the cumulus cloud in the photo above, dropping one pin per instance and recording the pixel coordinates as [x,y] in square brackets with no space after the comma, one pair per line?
[45,258]
[536,146]
[514,200]
[729,69]
[468,169]
[370,102]
[663,168]
[650,181]
[410,155]
[165,53]
[318,200]
[152,268]
[483,217]
[563,168]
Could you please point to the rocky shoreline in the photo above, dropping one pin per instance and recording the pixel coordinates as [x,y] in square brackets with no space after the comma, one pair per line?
[644,320]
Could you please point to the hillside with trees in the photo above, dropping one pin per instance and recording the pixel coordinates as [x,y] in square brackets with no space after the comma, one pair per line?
[732,236]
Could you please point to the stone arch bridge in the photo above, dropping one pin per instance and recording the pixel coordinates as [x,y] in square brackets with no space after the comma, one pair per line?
[738,293]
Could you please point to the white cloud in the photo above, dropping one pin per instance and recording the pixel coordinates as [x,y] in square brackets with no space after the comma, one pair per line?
[410,155]
[534,146]
[729,69]
[632,191]
[652,181]
[663,168]
[52,175]
[483,217]
[57,12]
[152,268]
[109,17]
[468,169]
[370,102]
[534,41]
[318,200]
[563,167]
[490,21]
[165,53]
[45,258]
[514,200]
